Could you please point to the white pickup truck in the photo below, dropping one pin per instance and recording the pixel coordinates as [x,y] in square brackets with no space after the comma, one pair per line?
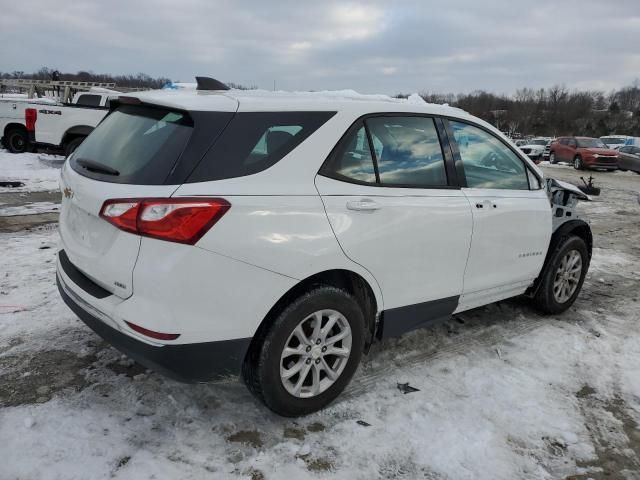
[41,122]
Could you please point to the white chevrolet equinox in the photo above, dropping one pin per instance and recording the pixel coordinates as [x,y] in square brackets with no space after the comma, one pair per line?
[211,232]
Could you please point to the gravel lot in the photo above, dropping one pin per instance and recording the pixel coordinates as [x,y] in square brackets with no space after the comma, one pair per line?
[504,393]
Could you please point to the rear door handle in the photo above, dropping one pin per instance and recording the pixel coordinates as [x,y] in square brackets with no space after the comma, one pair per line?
[365,205]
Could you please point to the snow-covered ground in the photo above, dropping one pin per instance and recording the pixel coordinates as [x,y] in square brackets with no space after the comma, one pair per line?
[37,171]
[504,393]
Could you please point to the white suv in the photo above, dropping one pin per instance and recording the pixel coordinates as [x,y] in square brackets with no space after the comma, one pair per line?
[276,236]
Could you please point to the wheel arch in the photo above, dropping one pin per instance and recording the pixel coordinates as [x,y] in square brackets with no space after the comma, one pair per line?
[343,279]
[75,132]
[13,126]
[576,227]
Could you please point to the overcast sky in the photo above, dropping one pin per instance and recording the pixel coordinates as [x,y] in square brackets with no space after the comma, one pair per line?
[386,47]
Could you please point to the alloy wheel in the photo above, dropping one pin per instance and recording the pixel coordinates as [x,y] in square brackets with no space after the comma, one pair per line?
[315,354]
[567,276]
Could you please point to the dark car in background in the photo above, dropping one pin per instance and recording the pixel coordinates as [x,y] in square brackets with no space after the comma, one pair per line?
[583,152]
[629,158]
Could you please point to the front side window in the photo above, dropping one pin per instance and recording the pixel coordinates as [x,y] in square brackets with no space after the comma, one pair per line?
[487,162]
[408,151]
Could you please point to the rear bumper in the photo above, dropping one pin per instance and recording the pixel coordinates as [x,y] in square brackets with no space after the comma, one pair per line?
[191,362]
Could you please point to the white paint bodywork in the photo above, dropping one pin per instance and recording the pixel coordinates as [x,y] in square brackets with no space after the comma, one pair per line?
[287,223]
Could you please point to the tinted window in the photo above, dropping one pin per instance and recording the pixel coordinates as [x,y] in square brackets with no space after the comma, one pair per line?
[563,141]
[352,160]
[407,151]
[488,163]
[89,100]
[254,141]
[140,143]
[625,149]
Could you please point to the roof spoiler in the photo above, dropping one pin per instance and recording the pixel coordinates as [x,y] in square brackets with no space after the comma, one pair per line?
[208,83]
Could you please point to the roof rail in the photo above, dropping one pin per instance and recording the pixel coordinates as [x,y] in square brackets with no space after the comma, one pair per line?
[208,83]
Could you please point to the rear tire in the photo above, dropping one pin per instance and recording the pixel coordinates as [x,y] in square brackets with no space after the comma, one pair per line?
[71,146]
[563,276]
[552,158]
[577,163]
[17,140]
[267,368]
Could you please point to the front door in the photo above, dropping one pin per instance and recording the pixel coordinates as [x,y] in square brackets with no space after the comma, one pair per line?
[389,202]
[511,217]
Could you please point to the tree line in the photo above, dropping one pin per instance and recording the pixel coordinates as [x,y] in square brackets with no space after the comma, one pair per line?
[553,111]
[542,112]
[138,80]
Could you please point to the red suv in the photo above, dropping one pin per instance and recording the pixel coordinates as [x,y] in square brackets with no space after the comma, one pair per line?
[583,152]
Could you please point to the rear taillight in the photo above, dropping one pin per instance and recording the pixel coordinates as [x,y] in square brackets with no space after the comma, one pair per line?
[30,117]
[182,220]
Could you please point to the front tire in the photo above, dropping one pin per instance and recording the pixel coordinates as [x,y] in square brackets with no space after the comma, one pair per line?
[309,354]
[17,140]
[563,276]
[577,163]
[552,158]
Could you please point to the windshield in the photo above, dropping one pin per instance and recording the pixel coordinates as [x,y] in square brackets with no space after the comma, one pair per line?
[612,140]
[590,143]
[134,144]
[542,142]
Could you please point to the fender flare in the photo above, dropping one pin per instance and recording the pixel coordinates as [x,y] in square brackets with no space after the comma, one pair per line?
[76,131]
[576,227]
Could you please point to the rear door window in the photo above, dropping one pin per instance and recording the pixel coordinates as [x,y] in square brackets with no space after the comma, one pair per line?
[408,151]
[353,160]
[254,141]
[134,144]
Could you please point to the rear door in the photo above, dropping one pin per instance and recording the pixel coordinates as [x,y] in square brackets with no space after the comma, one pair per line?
[394,208]
[130,155]
[511,216]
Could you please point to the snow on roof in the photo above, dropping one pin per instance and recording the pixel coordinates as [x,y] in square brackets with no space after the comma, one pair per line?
[257,100]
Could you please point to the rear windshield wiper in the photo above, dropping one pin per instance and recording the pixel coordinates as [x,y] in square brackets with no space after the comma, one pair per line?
[96,167]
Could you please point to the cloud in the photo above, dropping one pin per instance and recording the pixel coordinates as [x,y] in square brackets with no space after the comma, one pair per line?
[373,46]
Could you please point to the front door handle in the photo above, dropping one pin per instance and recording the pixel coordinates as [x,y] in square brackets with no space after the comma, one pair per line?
[364,205]
[486,204]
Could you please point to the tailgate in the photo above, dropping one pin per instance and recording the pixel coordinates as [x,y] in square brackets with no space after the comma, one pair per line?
[102,252]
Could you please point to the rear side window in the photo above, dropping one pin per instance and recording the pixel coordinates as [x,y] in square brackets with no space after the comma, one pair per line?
[89,100]
[407,151]
[134,144]
[254,141]
[487,161]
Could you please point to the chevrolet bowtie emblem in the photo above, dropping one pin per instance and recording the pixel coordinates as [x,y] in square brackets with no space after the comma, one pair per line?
[68,193]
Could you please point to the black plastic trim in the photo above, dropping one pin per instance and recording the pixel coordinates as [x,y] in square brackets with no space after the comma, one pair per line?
[80,279]
[397,321]
[190,363]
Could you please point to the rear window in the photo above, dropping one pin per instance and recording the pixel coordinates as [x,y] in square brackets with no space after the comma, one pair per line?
[254,141]
[89,100]
[134,144]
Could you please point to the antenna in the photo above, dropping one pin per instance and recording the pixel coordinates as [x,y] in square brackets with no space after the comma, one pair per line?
[208,83]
